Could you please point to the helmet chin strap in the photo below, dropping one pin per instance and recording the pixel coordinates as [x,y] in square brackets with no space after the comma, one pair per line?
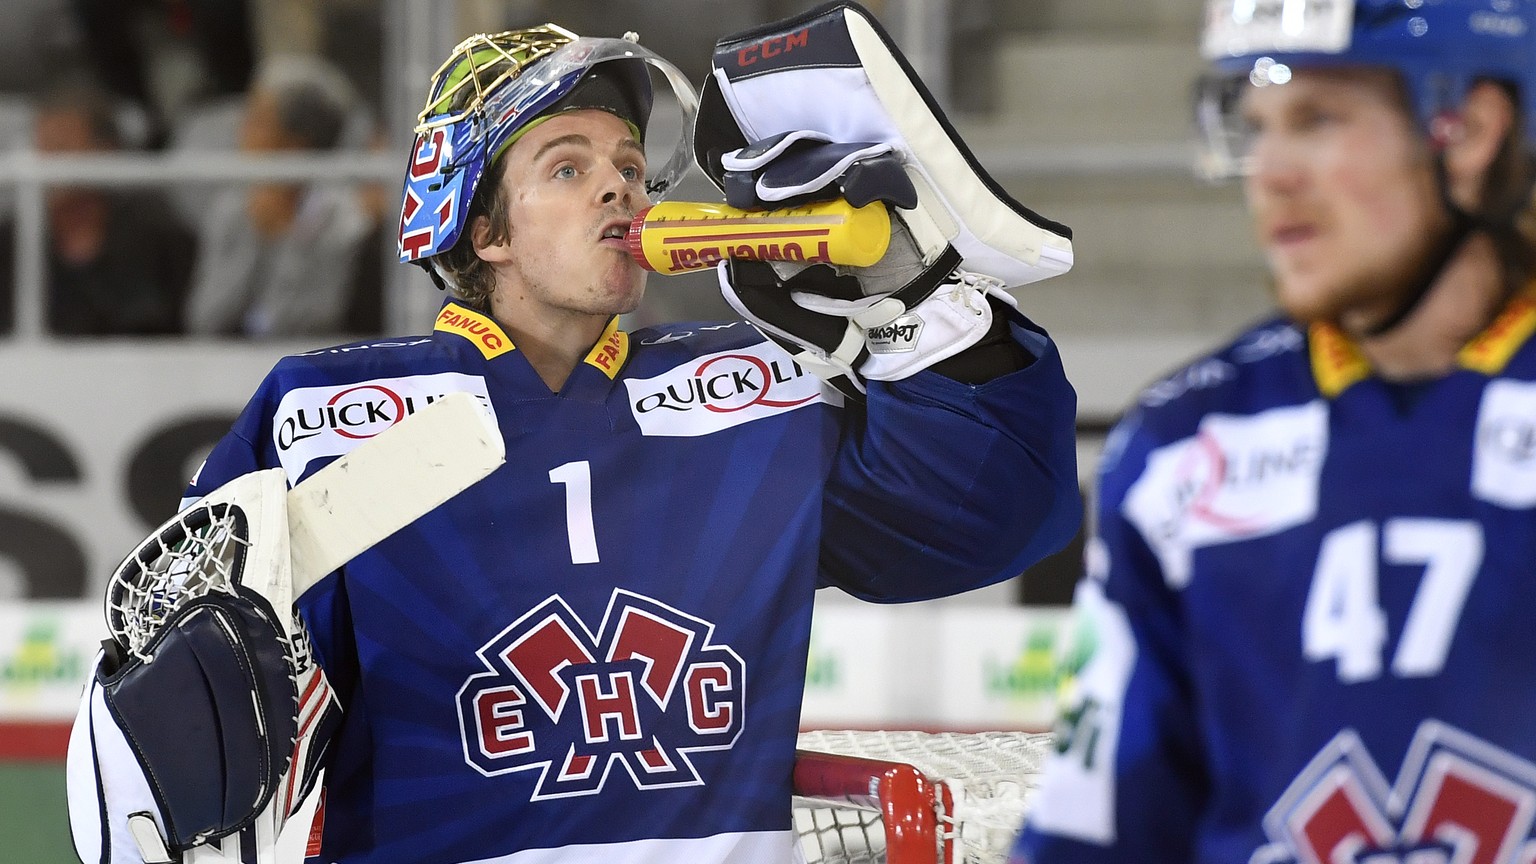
[1462,226]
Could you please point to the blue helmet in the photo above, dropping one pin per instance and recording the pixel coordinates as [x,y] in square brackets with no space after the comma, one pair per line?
[495,87]
[1439,48]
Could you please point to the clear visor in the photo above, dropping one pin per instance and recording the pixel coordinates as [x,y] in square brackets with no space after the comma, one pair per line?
[547,78]
[669,134]
[1226,139]
[1253,28]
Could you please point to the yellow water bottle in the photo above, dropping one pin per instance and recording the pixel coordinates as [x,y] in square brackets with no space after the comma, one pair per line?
[680,236]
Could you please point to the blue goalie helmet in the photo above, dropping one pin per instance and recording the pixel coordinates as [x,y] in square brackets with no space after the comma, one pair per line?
[493,88]
[1439,48]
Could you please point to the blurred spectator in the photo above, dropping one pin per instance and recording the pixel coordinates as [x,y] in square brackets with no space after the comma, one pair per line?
[281,259]
[160,54]
[350,33]
[36,37]
[118,259]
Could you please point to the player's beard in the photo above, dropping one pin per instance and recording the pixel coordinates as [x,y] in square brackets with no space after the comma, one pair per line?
[623,282]
[610,284]
[1360,301]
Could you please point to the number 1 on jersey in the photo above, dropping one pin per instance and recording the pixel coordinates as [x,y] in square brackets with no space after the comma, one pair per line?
[576,477]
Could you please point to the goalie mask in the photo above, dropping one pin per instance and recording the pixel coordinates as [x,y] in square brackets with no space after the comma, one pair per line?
[492,89]
[1438,49]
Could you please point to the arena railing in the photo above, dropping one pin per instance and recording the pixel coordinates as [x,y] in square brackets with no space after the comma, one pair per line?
[29,174]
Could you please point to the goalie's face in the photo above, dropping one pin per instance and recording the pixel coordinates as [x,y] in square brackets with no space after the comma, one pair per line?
[1342,192]
[572,184]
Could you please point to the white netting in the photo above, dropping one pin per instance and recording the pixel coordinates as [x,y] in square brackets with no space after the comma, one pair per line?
[202,550]
[196,554]
[991,776]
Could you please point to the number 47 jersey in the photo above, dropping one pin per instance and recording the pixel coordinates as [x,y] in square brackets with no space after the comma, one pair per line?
[1310,602]
[598,652]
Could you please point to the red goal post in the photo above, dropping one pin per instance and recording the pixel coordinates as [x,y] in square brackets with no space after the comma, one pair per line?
[913,797]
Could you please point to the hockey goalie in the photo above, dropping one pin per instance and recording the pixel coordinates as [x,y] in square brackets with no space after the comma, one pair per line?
[598,653]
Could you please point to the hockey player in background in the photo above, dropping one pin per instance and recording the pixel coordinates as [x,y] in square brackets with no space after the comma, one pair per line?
[598,652]
[1311,575]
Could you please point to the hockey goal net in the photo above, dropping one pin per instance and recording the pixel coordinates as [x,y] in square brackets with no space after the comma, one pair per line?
[913,797]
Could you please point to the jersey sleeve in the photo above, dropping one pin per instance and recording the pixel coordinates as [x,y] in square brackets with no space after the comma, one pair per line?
[239,451]
[940,487]
[1125,783]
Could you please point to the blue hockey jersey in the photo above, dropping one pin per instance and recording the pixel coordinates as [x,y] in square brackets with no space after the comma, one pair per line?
[1308,599]
[598,652]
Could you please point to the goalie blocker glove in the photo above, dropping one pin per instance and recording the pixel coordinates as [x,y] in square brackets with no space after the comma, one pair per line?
[844,115]
[824,104]
[948,319]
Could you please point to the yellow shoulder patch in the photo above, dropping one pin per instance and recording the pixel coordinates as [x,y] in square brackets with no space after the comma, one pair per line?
[611,350]
[485,333]
[1490,350]
[1336,362]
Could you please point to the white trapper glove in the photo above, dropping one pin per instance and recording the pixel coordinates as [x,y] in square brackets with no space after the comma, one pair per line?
[202,728]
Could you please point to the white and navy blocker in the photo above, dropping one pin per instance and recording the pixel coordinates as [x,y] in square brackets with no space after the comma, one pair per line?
[871,132]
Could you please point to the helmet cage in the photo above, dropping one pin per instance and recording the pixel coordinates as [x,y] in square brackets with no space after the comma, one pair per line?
[475,56]
[467,122]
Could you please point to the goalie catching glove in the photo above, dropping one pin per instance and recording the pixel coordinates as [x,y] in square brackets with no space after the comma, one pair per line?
[201,728]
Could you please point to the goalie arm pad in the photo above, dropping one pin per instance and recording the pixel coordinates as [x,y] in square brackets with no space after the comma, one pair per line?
[196,744]
[965,485]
